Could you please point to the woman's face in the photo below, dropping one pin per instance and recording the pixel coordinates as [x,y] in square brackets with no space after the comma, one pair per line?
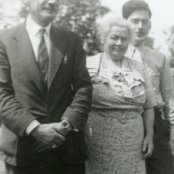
[116,42]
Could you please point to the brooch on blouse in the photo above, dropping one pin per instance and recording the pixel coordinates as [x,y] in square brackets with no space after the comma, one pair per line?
[118,76]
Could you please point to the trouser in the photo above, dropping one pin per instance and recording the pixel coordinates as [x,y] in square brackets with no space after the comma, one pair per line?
[161,161]
[59,169]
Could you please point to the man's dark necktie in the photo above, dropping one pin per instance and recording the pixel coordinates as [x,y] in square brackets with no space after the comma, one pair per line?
[43,57]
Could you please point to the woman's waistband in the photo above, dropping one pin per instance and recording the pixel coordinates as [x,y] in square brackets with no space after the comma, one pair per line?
[122,115]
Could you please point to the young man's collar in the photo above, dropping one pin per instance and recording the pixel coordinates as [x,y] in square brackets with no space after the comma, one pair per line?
[33,27]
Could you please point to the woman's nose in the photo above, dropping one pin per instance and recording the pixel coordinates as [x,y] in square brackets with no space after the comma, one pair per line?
[119,42]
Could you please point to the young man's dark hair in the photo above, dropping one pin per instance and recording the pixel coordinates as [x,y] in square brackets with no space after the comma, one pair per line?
[134,5]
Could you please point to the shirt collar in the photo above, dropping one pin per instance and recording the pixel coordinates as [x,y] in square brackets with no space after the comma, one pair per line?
[33,28]
[130,51]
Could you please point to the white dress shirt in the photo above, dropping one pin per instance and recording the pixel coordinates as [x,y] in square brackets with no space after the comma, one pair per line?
[33,31]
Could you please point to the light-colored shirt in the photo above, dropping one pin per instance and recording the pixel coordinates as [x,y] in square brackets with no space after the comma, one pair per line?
[158,67]
[33,31]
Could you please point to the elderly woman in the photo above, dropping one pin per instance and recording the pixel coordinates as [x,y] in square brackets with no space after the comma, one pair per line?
[118,137]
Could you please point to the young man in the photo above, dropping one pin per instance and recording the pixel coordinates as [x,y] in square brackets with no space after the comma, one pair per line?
[45,95]
[139,14]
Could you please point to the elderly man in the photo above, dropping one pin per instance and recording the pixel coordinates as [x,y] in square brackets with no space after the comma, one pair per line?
[138,14]
[45,95]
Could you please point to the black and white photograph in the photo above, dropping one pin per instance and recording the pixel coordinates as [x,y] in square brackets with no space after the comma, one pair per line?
[86,87]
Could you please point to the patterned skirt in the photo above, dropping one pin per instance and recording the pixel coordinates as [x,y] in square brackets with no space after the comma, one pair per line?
[114,142]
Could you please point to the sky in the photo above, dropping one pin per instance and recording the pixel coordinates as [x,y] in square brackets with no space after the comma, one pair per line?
[162,16]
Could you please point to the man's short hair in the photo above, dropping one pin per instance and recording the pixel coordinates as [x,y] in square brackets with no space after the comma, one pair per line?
[133,5]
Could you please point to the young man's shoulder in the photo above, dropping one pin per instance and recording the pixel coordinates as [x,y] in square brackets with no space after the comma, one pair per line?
[153,53]
[134,63]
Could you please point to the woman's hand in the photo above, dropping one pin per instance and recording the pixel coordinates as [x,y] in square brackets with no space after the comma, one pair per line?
[147,148]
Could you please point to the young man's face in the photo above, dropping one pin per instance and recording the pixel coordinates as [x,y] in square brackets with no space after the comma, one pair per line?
[43,11]
[140,21]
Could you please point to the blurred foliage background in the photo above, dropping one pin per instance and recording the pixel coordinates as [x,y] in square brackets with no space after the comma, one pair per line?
[79,16]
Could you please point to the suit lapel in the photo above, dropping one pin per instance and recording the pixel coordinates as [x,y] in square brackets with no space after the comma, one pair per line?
[26,56]
[58,50]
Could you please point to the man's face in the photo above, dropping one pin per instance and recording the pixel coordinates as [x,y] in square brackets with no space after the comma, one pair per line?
[116,42]
[43,11]
[140,21]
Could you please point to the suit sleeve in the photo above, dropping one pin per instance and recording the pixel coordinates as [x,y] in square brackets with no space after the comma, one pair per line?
[13,114]
[79,108]
[165,85]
